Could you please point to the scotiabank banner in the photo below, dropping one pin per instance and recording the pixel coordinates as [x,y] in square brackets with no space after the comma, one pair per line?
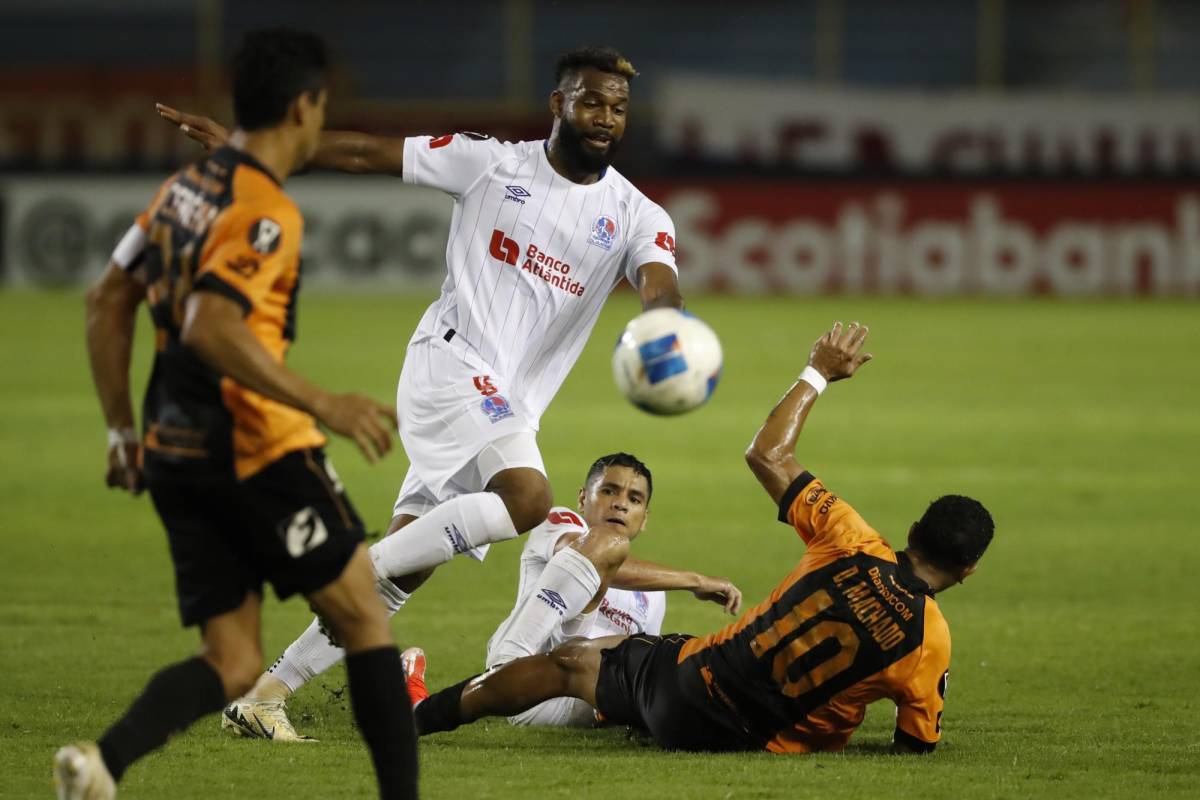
[954,238]
[746,237]
[844,130]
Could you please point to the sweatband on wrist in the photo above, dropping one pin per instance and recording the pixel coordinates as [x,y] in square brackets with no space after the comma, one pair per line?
[814,379]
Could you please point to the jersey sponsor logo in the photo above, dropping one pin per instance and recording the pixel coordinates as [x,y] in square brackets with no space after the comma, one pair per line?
[503,248]
[303,532]
[265,236]
[604,232]
[666,241]
[485,386]
[538,263]
[441,141]
[620,619]
[517,194]
[496,408]
[553,599]
[662,358]
[188,208]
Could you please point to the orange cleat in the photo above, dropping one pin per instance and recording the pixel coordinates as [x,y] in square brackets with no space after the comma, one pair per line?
[413,660]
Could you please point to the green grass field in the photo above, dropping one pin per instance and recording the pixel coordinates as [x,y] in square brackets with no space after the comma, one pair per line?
[1076,646]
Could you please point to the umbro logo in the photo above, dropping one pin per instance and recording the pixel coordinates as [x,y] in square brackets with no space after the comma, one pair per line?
[516,193]
[553,599]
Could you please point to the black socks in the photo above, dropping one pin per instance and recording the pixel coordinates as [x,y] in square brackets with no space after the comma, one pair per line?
[383,710]
[173,699]
[442,711]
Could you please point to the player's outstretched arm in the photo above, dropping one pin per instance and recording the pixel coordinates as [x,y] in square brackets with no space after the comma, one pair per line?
[112,305]
[645,576]
[214,328]
[658,287]
[343,151]
[772,455]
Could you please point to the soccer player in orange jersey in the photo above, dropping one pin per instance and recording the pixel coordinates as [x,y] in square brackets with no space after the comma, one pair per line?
[853,623]
[231,454]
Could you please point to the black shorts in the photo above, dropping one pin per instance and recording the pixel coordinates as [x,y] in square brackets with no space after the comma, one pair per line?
[642,684]
[291,524]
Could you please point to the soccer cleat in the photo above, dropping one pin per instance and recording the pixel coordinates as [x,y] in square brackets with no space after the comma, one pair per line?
[80,773]
[413,660]
[261,719]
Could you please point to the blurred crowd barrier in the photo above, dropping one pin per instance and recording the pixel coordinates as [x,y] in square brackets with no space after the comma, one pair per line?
[746,235]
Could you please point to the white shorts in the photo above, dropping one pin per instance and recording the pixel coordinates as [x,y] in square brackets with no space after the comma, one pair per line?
[459,427]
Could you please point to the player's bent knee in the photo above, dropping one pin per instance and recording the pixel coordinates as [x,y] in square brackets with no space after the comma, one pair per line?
[605,546]
[526,494]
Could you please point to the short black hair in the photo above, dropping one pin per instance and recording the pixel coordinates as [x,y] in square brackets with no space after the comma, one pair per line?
[271,68]
[605,59]
[621,460]
[953,532]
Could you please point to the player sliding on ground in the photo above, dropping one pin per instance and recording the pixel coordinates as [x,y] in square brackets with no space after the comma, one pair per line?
[854,622]
[576,580]
[540,235]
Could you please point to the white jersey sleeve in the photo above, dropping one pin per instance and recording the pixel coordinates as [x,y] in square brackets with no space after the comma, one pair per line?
[652,240]
[452,163]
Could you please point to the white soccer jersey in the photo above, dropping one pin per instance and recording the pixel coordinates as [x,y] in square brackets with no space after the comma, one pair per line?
[621,612]
[531,256]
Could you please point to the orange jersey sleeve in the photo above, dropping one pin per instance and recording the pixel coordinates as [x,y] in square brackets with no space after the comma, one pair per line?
[250,248]
[919,708]
[821,517]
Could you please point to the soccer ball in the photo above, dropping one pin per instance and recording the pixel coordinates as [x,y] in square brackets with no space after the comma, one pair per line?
[667,361]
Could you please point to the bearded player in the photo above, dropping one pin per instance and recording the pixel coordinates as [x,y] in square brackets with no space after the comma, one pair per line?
[853,623]
[541,233]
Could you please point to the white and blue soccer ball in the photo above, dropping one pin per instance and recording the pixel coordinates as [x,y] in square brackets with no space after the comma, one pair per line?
[667,361]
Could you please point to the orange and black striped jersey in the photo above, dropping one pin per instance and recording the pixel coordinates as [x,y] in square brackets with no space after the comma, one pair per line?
[222,225]
[851,624]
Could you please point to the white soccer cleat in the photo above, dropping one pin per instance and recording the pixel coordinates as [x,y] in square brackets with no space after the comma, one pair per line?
[261,719]
[80,773]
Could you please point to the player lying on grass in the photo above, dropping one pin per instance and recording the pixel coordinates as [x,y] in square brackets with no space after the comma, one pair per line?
[854,622]
[576,580]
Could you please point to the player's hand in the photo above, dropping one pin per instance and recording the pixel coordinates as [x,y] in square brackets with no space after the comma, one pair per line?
[207,132]
[720,591]
[124,462]
[368,422]
[838,353]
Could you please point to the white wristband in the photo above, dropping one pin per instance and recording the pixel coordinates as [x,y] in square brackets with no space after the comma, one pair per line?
[118,436]
[814,379]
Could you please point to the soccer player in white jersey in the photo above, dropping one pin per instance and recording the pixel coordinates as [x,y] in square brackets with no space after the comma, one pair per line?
[541,233]
[577,581]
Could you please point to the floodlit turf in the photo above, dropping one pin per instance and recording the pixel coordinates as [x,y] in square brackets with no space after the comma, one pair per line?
[1076,656]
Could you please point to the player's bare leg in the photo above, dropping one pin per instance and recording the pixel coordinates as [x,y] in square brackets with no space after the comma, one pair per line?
[570,670]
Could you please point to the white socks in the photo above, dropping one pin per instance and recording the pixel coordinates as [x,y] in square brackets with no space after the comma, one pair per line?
[563,591]
[311,654]
[456,526]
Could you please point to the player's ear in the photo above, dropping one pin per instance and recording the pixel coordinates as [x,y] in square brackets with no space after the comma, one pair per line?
[966,571]
[557,100]
[582,495]
[911,530]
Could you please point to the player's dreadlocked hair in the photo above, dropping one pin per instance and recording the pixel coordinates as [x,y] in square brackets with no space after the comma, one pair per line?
[605,59]
[953,532]
[272,68]
[621,460]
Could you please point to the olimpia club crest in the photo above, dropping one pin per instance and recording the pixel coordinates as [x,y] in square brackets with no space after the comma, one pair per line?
[604,232]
